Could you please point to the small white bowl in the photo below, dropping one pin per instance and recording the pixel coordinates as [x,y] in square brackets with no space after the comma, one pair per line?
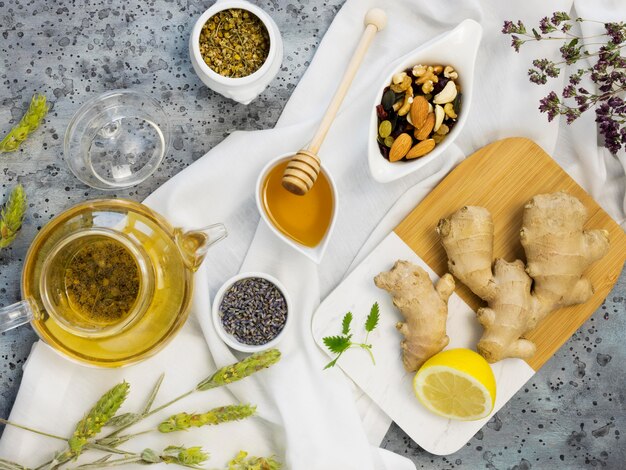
[457,48]
[229,339]
[316,253]
[243,89]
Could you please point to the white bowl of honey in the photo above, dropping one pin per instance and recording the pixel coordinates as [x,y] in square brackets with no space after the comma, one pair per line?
[303,222]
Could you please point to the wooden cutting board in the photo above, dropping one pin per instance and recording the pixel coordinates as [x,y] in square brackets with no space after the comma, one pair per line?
[502,177]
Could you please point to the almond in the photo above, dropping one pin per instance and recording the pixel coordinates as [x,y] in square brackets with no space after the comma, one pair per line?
[421,149]
[422,132]
[400,147]
[419,111]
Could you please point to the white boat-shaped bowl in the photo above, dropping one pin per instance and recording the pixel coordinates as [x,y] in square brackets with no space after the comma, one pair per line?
[457,48]
[316,253]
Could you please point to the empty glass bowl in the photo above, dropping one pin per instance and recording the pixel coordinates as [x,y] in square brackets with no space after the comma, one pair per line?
[117,139]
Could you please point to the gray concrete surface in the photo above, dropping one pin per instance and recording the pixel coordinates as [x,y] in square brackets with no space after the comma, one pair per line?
[571,415]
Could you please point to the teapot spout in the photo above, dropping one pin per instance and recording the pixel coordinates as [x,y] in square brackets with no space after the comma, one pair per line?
[194,244]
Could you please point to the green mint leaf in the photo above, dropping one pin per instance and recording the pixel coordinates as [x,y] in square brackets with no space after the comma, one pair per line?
[371,321]
[345,324]
[337,344]
[331,363]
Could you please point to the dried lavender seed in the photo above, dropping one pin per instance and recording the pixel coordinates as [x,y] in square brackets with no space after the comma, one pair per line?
[254,311]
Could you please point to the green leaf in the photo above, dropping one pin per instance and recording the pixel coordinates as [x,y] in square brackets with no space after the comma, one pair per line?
[371,321]
[331,363]
[125,419]
[153,394]
[345,323]
[536,34]
[337,344]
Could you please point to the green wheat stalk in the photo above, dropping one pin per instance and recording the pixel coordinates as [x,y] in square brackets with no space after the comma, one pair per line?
[223,414]
[98,417]
[12,216]
[103,413]
[30,121]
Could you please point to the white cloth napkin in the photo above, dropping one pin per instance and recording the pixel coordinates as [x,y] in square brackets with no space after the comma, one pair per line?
[308,416]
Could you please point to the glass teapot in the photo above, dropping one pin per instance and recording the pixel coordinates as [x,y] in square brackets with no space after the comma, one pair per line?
[109,281]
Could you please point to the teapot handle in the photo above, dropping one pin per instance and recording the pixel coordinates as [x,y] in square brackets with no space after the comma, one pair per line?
[15,315]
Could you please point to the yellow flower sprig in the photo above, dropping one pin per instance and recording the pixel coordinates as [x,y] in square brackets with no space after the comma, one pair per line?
[30,121]
[98,416]
[103,413]
[223,414]
[243,462]
[12,216]
[190,457]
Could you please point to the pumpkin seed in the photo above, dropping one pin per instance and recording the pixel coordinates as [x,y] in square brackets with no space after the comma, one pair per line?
[389,97]
[458,101]
[385,129]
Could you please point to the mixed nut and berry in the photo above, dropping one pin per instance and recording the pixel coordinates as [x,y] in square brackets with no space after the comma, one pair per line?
[417,110]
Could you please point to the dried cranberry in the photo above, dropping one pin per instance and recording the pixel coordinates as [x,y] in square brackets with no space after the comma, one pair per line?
[382,114]
[437,87]
[384,150]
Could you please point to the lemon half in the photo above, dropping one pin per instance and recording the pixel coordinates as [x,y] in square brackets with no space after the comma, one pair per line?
[456,384]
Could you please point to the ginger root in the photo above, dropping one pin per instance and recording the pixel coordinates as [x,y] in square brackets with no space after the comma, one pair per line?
[424,307]
[518,296]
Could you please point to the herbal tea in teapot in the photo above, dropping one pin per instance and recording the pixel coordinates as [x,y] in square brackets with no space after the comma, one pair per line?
[109,282]
[102,282]
[95,281]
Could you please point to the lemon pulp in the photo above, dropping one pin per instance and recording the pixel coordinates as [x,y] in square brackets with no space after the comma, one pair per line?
[456,384]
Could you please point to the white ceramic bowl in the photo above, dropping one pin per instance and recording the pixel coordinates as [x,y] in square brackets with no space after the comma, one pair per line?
[229,339]
[316,253]
[243,89]
[457,48]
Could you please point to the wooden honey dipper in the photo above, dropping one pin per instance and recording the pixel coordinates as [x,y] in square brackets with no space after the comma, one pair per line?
[303,168]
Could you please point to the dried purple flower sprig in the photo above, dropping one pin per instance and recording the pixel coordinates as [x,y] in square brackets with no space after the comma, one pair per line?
[608,72]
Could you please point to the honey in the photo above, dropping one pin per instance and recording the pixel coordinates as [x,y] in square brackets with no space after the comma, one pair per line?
[304,219]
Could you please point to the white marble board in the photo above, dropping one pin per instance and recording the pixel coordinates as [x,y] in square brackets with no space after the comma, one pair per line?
[387,383]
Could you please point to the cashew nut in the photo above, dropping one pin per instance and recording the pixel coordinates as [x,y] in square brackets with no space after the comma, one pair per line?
[439,115]
[408,101]
[446,95]
[409,119]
